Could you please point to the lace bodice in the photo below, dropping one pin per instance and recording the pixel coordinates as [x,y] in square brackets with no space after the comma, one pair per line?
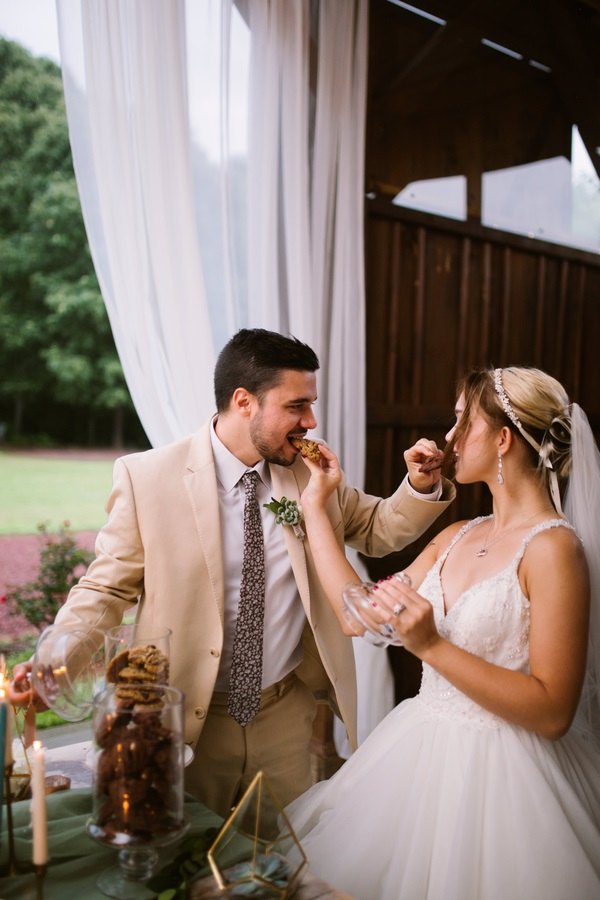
[490,619]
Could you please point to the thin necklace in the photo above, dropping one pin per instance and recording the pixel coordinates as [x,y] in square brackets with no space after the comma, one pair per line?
[483,551]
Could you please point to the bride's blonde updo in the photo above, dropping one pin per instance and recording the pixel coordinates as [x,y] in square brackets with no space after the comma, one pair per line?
[543,406]
[532,403]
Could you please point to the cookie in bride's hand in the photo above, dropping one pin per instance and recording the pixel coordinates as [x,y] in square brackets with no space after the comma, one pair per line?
[308,449]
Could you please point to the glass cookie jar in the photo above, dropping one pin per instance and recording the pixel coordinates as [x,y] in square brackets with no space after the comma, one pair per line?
[138,794]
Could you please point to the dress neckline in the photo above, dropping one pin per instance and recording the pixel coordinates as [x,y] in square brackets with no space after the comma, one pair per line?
[505,570]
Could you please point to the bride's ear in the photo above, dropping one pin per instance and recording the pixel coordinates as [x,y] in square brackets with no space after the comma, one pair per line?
[505,439]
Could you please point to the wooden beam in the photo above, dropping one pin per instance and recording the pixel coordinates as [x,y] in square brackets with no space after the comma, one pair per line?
[377,207]
[576,80]
[462,31]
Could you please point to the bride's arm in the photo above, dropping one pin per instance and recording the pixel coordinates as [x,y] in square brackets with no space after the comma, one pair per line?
[554,576]
[333,569]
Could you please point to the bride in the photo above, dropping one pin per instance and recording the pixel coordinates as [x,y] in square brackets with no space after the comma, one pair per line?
[486,786]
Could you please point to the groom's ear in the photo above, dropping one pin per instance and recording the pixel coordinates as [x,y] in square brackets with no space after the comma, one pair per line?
[242,402]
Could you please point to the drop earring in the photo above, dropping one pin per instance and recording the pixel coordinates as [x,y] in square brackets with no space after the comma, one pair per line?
[500,475]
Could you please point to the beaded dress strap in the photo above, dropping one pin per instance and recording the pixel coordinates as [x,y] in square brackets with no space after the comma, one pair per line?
[462,530]
[541,526]
[537,529]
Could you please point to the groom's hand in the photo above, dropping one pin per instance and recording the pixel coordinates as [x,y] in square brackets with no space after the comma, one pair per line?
[423,461]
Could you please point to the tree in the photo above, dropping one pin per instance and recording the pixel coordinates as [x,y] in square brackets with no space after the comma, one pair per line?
[56,346]
[74,354]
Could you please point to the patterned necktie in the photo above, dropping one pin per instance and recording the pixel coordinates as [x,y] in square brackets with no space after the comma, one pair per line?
[246,660]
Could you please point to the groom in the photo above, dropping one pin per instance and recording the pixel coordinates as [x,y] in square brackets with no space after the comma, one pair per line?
[176,544]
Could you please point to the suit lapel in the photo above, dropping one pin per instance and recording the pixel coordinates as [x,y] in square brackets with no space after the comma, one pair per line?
[201,484]
[285,484]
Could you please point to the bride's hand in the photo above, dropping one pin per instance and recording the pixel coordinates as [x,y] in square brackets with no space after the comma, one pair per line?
[325,477]
[409,614]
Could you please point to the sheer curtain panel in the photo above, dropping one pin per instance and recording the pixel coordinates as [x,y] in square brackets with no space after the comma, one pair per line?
[308,69]
[125,86]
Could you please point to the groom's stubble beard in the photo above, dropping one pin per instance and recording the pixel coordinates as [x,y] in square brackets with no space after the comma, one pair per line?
[265,445]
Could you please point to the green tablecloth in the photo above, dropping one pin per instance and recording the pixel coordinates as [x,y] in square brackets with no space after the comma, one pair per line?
[75,859]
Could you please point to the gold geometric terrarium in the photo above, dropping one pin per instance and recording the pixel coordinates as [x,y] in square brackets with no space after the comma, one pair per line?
[246,863]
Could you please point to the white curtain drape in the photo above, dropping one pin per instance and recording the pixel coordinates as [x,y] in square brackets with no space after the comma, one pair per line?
[305,196]
[219,154]
[125,88]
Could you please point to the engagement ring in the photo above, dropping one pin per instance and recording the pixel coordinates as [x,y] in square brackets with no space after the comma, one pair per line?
[388,630]
[399,607]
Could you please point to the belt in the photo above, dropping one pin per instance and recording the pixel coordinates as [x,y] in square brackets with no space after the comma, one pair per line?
[220,698]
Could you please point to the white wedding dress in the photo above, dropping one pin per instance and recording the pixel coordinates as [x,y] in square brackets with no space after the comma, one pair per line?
[446,801]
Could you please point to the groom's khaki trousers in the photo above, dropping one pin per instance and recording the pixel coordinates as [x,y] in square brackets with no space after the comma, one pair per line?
[276,742]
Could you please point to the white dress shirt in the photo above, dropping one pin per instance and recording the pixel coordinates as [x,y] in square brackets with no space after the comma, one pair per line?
[434,495]
[284,613]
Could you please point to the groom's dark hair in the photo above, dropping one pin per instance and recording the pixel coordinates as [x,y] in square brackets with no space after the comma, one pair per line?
[254,359]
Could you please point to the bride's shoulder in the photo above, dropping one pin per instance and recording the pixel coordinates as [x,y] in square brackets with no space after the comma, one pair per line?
[554,561]
[554,542]
[556,532]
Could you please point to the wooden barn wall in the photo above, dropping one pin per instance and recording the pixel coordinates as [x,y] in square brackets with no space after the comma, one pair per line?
[442,297]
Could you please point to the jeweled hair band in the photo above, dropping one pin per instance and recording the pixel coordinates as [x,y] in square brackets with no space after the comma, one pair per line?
[508,409]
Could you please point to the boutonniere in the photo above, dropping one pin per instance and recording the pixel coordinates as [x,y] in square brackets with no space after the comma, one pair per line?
[287,512]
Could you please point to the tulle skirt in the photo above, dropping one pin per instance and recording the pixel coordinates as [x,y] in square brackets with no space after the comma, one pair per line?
[430,808]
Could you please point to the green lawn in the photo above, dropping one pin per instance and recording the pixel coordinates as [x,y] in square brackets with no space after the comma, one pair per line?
[34,490]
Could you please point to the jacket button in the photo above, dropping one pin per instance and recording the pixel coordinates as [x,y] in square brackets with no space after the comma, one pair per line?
[200,712]
[214,652]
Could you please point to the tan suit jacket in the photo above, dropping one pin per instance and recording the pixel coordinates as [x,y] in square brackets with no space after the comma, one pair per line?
[161,546]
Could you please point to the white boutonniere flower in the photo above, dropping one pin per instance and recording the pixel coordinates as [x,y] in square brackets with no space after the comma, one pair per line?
[287,512]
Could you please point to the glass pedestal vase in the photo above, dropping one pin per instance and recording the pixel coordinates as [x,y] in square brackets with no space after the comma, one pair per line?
[138,794]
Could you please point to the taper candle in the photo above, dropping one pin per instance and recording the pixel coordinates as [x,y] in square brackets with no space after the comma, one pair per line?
[3,706]
[3,718]
[39,818]
[8,728]
[8,747]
